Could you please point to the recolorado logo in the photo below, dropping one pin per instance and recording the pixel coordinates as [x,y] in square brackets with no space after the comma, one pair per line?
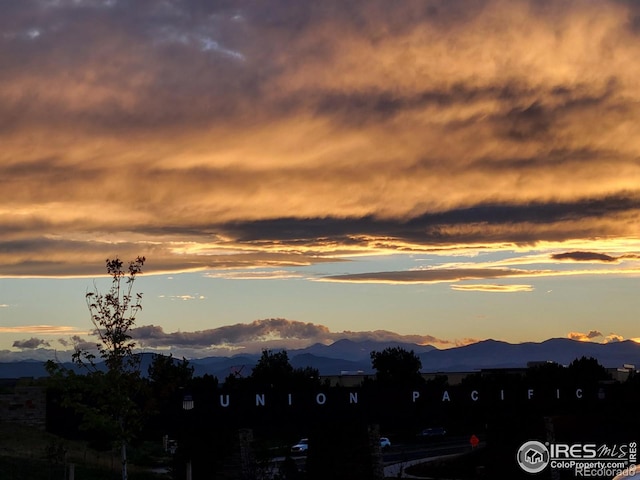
[584,459]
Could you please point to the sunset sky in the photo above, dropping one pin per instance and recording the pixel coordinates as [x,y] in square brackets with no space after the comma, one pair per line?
[295,172]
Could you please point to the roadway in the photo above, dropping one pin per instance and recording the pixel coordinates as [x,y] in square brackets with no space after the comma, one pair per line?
[435,448]
[402,455]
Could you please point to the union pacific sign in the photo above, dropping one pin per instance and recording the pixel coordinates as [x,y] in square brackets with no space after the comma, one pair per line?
[352,397]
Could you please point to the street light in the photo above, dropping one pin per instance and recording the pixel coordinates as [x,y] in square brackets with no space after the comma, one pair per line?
[187,404]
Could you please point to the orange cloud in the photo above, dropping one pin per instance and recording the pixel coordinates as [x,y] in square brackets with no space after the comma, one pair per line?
[313,132]
[42,329]
[584,337]
[594,334]
[493,288]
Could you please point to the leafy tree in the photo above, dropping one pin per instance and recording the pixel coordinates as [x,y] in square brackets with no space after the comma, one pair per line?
[168,381]
[274,370]
[550,373]
[167,375]
[397,366]
[109,403]
[306,376]
[587,370]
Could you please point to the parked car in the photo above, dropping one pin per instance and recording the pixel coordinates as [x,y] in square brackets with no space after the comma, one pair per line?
[431,433]
[301,447]
[385,443]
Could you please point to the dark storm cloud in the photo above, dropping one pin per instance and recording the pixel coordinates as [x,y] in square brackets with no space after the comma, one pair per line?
[516,223]
[433,275]
[319,238]
[584,257]
[30,344]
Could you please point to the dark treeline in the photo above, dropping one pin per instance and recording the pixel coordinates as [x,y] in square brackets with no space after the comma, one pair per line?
[279,404]
[229,428]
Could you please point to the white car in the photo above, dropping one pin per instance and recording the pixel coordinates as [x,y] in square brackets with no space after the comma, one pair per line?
[301,447]
[384,443]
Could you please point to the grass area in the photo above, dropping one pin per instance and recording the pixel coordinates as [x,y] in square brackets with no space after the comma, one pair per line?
[34,469]
[31,453]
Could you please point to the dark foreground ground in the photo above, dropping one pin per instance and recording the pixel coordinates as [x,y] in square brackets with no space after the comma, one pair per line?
[28,453]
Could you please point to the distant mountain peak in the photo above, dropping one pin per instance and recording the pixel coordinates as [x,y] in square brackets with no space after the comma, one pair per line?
[352,355]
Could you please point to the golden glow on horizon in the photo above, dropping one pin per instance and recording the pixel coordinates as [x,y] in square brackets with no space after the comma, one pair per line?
[493,288]
[43,330]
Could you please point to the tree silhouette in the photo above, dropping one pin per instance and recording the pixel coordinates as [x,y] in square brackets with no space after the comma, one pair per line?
[587,370]
[167,375]
[168,380]
[274,370]
[550,373]
[397,366]
[108,403]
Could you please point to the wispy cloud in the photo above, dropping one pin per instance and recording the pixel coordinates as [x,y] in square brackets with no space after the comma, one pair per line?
[493,288]
[435,275]
[441,276]
[184,298]
[242,135]
[535,265]
[42,329]
[255,275]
